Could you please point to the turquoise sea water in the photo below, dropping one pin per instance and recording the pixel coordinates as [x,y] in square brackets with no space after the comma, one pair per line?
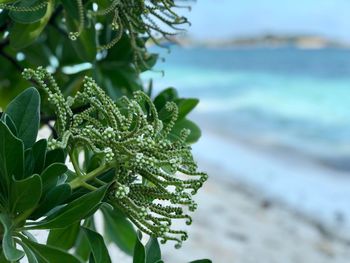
[284,97]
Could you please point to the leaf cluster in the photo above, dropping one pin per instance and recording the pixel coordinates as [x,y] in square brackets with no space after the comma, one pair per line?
[59,184]
[36,194]
[29,39]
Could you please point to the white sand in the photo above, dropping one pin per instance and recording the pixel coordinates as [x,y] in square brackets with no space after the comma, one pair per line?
[232,225]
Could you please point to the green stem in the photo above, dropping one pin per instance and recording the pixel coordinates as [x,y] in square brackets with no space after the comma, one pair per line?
[100,182]
[75,165]
[1,235]
[23,216]
[82,180]
[88,186]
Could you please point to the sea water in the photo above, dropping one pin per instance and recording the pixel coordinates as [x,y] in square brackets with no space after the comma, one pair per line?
[289,107]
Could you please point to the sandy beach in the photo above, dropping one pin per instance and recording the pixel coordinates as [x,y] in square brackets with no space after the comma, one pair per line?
[233,225]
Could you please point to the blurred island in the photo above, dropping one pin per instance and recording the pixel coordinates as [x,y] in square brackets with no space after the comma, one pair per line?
[267,40]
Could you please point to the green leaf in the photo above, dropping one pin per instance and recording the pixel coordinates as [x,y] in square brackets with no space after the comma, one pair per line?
[49,254]
[118,79]
[74,211]
[11,159]
[82,246]
[53,198]
[2,258]
[201,261]
[97,246]
[24,110]
[153,253]
[51,175]
[25,194]
[22,35]
[29,162]
[186,106]
[119,230]
[9,123]
[39,154]
[27,17]
[64,238]
[10,251]
[169,94]
[85,44]
[55,156]
[186,124]
[29,253]
[7,1]
[149,62]
[139,252]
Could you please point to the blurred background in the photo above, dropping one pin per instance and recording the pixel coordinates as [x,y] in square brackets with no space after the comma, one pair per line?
[273,78]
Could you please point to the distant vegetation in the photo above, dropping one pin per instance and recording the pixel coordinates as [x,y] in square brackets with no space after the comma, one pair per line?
[270,40]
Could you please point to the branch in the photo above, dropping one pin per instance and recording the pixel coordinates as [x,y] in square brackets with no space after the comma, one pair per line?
[4,43]
[12,60]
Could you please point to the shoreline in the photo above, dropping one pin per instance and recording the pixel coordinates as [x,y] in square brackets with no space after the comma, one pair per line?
[340,163]
[308,187]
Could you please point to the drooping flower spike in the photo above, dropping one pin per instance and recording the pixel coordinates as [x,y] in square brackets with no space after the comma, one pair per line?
[154,19]
[155,177]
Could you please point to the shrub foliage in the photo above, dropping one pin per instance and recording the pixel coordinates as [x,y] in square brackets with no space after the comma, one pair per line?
[113,147]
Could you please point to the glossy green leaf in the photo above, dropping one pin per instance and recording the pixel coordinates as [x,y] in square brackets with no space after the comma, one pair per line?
[169,94]
[25,194]
[9,123]
[10,251]
[186,124]
[53,198]
[186,106]
[153,253]
[39,154]
[64,238]
[139,252]
[97,246]
[55,156]
[49,254]
[29,162]
[24,110]
[74,211]
[51,175]
[22,35]
[122,52]
[27,17]
[11,159]
[82,246]
[117,78]
[119,230]
[29,254]
[34,158]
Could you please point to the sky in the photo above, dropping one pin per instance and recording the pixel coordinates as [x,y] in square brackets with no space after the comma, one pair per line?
[232,18]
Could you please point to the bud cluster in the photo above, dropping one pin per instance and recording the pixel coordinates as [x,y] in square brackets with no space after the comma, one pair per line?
[155,19]
[155,177]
